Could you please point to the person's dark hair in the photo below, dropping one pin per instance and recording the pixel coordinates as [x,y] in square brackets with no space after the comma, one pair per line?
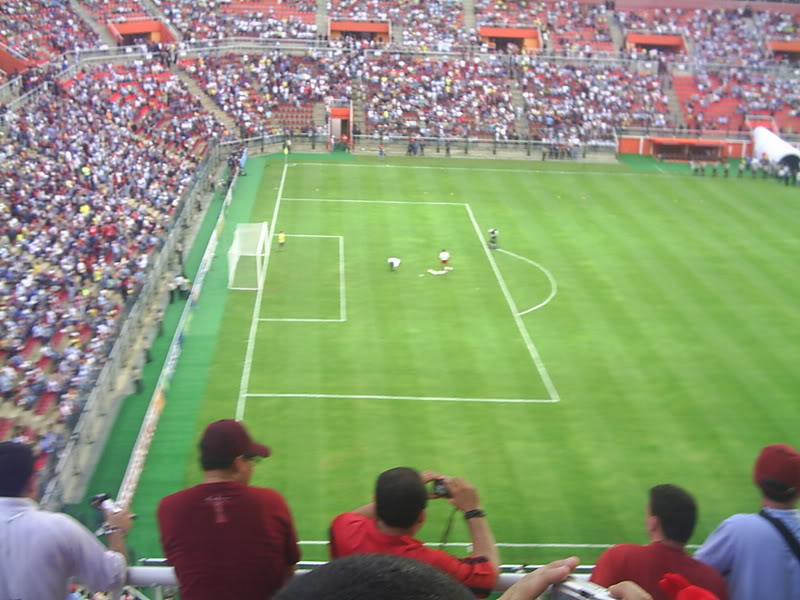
[16,468]
[213,463]
[676,511]
[371,576]
[777,490]
[400,496]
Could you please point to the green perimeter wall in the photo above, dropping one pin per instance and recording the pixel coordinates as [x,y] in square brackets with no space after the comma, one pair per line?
[174,440]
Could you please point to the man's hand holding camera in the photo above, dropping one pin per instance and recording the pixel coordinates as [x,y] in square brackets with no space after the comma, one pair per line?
[464,496]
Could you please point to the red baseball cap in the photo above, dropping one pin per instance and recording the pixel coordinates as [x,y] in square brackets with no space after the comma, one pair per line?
[229,438]
[778,469]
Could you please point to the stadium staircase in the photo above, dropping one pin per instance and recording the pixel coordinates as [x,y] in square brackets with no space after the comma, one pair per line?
[617,35]
[205,100]
[100,30]
[322,17]
[518,101]
[469,14]
[673,103]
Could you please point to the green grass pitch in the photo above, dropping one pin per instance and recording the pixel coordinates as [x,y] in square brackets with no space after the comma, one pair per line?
[633,328]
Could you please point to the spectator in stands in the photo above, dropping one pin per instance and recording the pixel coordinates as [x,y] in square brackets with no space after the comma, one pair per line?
[253,525]
[388,525]
[41,550]
[671,517]
[755,552]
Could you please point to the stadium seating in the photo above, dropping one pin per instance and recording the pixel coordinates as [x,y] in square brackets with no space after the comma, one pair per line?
[587,103]
[112,10]
[38,29]
[268,20]
[102,160]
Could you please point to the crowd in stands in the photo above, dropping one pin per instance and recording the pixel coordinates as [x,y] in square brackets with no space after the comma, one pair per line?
[112,10]
[101,162]
[254,90]
[365,10]
[721,98]
[39,29]
[588,102]
[567,27]
[427,97]
[212,20]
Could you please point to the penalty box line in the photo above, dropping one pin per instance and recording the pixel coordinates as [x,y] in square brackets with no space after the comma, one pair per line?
[515,313]
[416,398]
[342,294]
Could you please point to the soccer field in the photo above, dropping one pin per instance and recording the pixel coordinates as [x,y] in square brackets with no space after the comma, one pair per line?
[634,327]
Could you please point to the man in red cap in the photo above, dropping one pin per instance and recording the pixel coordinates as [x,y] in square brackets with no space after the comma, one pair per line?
[759,554]
[225,538]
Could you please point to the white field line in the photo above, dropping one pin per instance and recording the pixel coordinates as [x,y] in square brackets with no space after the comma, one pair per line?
[342,294]
[523,331]
[488,169]
[500,544]
[342,297]
[277,320]
[251,338]
[354,201]
[548,274]
[418,398]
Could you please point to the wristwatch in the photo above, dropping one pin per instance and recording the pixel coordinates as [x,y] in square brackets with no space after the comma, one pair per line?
[474,513]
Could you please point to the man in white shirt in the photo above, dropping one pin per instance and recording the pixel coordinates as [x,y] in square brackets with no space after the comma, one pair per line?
[40,550]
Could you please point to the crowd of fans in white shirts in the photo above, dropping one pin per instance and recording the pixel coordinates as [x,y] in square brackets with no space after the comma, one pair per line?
[100,189]
[39,29]
[209,19]
[589,102]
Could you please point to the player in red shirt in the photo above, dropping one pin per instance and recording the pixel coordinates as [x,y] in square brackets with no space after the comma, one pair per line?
[388,525]
[225,538]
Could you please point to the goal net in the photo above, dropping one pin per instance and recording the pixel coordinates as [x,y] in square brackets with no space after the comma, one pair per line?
[246,256]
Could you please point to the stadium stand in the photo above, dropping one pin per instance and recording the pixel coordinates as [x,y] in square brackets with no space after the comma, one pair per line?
[39,29]
[112,10]
[365,10]
[588,102]
[721,99]
[416,96]
[571,28]
[267,20]
[275,91]
[102,160]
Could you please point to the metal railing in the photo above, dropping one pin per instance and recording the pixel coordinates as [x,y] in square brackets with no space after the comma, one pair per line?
[156,578]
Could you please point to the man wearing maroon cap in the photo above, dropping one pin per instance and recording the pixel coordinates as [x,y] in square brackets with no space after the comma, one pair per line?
[759,554]
[225,538]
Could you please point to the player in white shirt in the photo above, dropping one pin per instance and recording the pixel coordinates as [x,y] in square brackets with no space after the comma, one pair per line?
[444,257]
[394,263]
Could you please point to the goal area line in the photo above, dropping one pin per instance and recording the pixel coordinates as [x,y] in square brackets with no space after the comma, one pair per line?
[417,398]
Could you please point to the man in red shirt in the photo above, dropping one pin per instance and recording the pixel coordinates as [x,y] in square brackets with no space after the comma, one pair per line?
[671,517]
[388,525]
[225,538]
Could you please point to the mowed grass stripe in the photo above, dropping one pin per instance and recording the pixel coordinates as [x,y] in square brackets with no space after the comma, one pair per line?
[760,303]
[727,295]
[725,343]
[749,230]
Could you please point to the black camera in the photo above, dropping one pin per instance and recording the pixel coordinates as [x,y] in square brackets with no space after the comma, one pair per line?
[439,488]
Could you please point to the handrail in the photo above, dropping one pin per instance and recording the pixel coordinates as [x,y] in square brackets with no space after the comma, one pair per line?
[151,576]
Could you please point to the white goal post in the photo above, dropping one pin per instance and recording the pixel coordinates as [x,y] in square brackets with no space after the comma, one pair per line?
[247,256]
